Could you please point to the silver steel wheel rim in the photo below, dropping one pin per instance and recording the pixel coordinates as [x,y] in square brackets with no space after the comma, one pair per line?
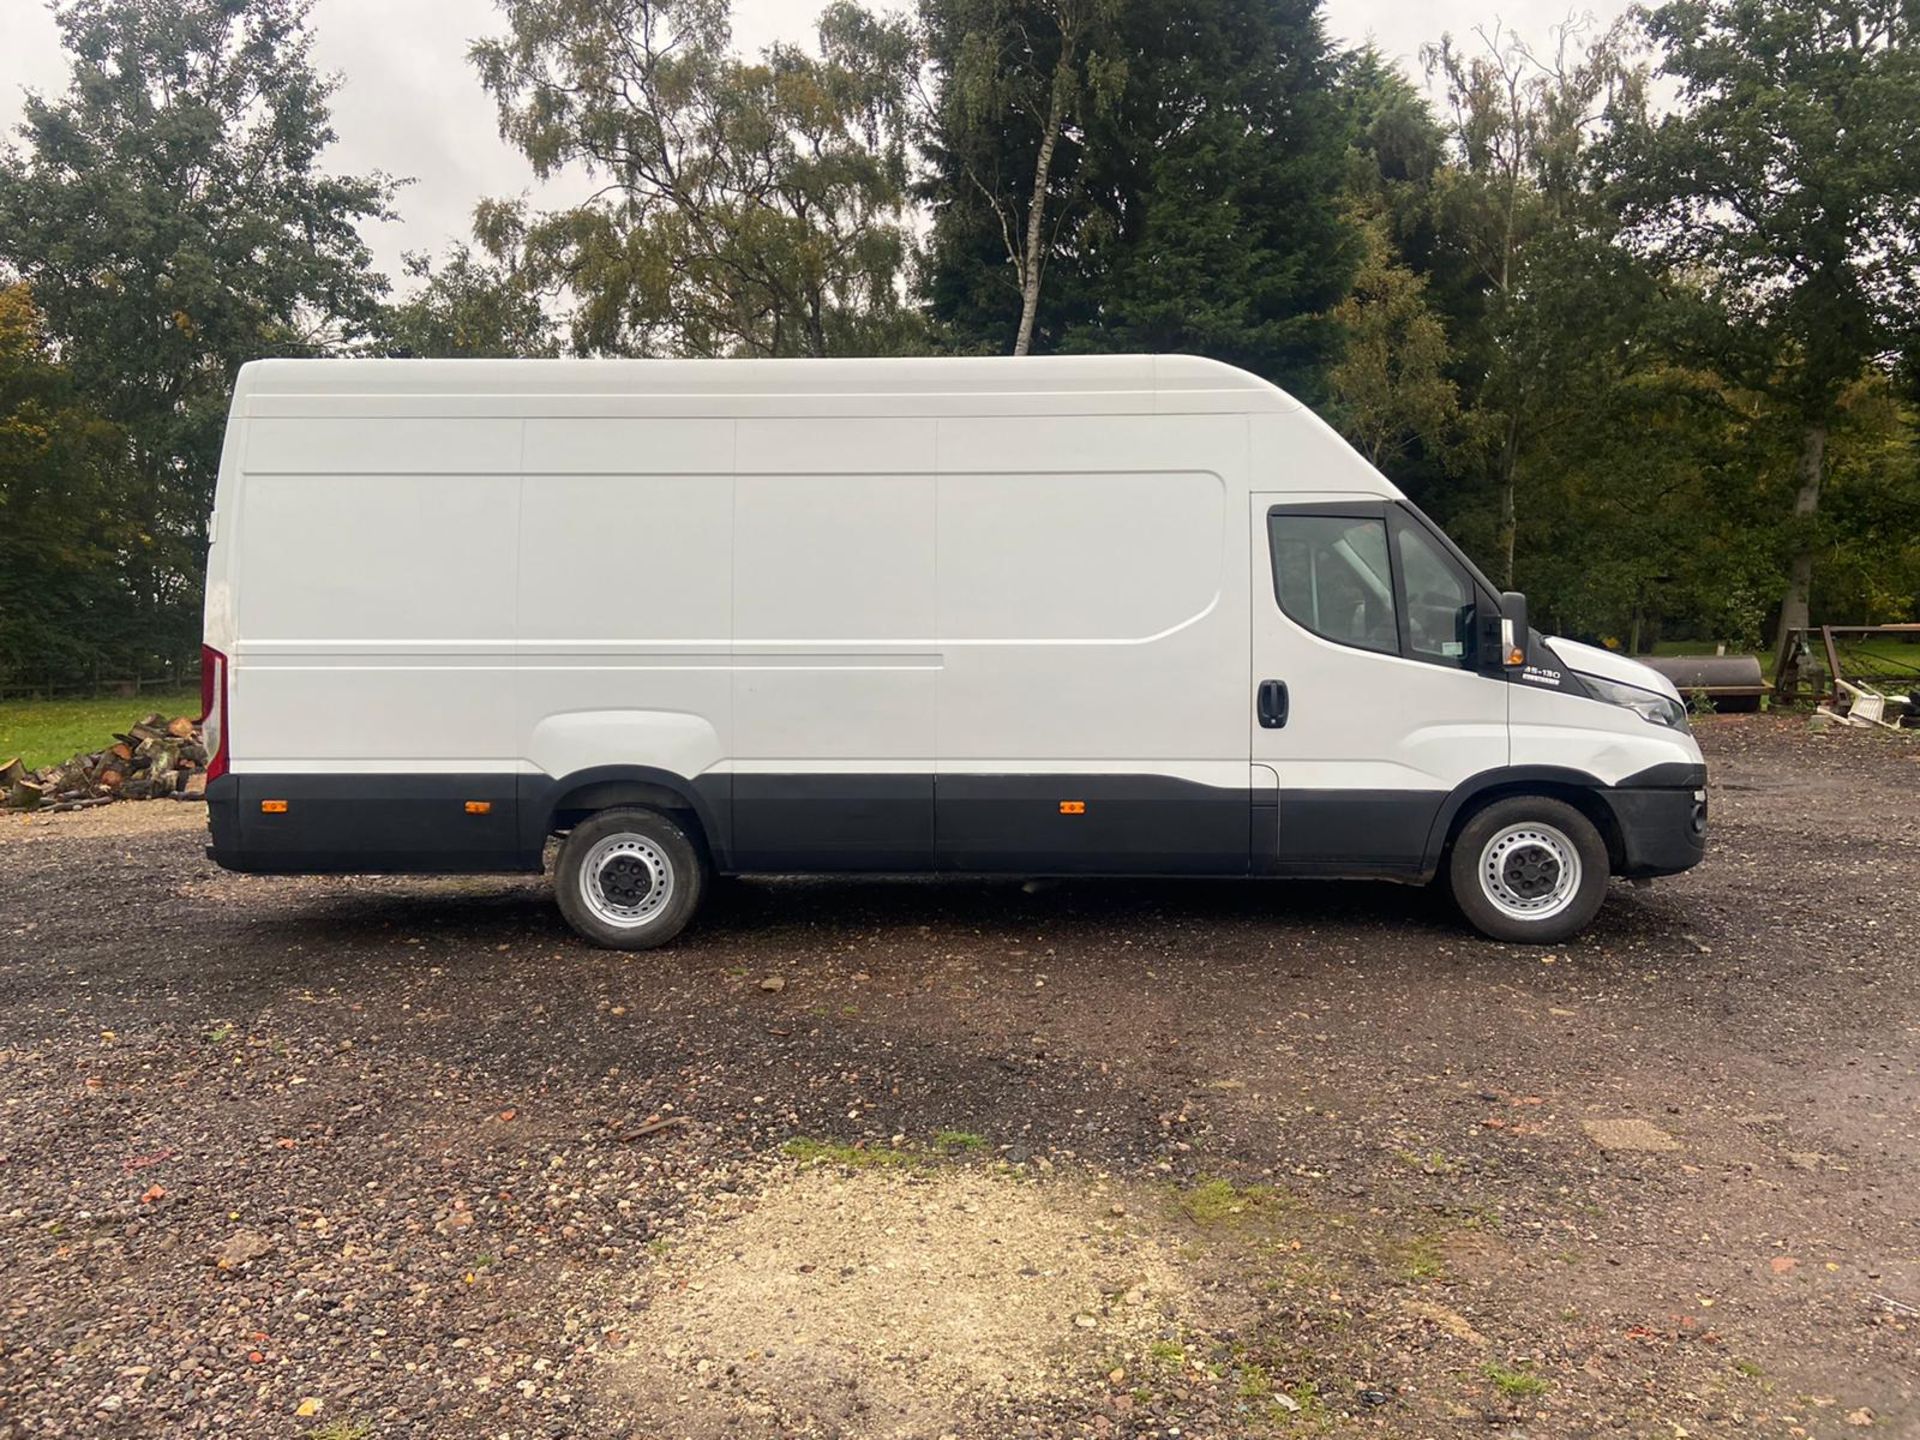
[1530,872]
[626,881]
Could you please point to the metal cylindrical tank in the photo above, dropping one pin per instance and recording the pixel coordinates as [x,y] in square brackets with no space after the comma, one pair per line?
[1732,682]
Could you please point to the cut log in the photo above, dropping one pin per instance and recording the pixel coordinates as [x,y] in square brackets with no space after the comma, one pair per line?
[25,795]
[122,751]
[180,728]
[155,719]
[12,773]
[196,786]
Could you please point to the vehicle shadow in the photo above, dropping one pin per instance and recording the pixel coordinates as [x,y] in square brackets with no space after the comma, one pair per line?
[768,913]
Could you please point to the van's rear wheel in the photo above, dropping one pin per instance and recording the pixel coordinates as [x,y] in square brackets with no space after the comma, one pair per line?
[629,879]
[1529,869]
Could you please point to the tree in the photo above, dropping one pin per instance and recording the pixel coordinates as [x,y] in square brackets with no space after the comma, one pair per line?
[1034,71]
[1522,127]
[468,307]
[1389,388]
[1194,196]
[63,511]
[1786,188]
[743,208]
[172,218]
[1225,174]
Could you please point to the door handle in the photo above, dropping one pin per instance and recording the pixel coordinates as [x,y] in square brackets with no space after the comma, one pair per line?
[1273,704]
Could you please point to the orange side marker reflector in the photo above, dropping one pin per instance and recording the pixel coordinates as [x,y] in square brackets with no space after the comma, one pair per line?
[1073,807]
[1517,657]
[273,807]
[479,807]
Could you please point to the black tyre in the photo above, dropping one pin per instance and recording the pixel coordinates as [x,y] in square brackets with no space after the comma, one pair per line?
[629,879]
[1528,869]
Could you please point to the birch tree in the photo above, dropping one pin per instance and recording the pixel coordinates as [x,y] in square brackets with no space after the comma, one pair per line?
[1035,72]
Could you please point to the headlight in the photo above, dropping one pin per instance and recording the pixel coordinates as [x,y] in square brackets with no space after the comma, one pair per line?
[1644,703]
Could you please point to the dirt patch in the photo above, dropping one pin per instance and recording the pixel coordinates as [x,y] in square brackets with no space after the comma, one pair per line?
[871,1303]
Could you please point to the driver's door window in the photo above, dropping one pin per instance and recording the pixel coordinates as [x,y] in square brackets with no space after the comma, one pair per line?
[1439,600]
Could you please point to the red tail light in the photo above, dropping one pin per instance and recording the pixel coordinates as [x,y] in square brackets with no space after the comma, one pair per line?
[213,710]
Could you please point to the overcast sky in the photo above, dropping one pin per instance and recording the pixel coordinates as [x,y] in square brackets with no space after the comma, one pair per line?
[409,104]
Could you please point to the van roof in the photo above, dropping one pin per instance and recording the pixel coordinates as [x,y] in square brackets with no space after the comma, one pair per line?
[1185,375]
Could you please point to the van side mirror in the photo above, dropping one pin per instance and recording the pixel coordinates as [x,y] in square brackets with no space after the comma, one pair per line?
[1513,630]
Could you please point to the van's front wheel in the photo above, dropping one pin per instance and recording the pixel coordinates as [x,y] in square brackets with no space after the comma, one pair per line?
[628,879]
[1529,869]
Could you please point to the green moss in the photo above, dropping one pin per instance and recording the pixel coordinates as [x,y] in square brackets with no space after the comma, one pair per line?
[960,1140]
[1218,1201]
[855,1157]
[341,1430]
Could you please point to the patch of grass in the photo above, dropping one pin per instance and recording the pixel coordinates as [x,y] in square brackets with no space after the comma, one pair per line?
[1307,1408]
[960,1140]
[1422,1258]
[1220,1202]
[1515,1384]
[1167,1352]
[220,1034]
[1255,1383]
[45,732]
[1749,1369]
[341,1430]
[808,1151]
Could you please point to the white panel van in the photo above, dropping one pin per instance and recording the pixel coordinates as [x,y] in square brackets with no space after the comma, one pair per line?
[1121,615]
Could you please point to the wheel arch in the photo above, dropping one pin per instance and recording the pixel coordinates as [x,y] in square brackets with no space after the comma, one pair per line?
[1584,792]
[552,804]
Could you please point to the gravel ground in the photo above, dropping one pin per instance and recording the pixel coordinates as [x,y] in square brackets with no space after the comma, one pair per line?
[371,1158]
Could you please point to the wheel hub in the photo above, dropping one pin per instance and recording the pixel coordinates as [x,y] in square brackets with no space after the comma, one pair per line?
[1530,872]
[625,880]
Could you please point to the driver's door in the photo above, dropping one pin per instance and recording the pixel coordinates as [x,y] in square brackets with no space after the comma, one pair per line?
[1364,697]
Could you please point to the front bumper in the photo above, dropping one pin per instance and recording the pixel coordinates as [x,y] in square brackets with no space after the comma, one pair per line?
[1663,829]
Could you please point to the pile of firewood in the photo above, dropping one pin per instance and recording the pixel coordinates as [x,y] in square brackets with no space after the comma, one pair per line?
[155,758]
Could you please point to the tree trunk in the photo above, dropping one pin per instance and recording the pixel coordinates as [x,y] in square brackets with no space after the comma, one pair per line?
[1509,517]
[1031,256]
[1793,609]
